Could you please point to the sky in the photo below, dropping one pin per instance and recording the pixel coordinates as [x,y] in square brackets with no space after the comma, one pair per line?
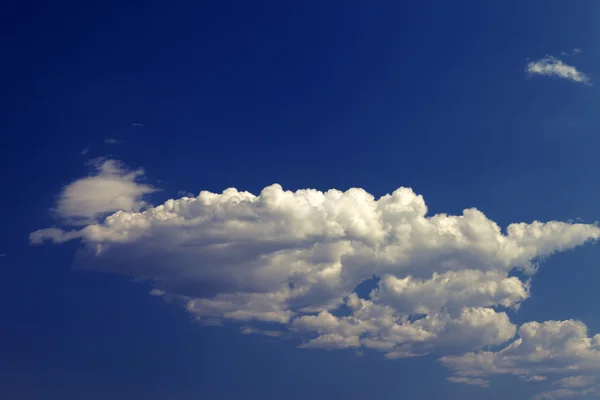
[318,199]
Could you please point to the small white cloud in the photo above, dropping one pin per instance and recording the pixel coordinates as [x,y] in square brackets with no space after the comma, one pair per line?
[574,52]
[470,381]
[534,378]
[137,125]
[112,141]
[248,330]
[157,292]
[551,66]
[110,187]
[84,152]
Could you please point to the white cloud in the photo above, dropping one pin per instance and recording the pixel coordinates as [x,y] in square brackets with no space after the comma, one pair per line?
[533,378]
[54,235]
[248,330]
[451,290]
[576,381]
[551,347]
[574,52]
[84,152]
[157,292]
[295,258]
[111,187]
[564,394]
[469,381]
[384,329]
[552,66]
[541,348]
[331,341]
[112,141]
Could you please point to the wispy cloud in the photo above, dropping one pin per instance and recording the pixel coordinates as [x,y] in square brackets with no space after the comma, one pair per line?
[137,125]
[469,381]
[534,378]
[576,381]
[248,330]
[552,66]
[84,151]
[572,53]
[112,141]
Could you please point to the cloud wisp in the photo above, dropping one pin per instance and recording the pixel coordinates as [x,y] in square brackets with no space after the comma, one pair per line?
[288,263]
[112,141]
[553,67]
[573,53]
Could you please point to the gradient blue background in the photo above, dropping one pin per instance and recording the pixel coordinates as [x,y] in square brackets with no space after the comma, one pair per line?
[320,94]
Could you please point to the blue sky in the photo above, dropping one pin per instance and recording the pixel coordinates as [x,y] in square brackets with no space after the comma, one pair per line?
[111,110]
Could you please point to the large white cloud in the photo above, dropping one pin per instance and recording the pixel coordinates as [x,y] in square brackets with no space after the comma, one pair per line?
[295,259]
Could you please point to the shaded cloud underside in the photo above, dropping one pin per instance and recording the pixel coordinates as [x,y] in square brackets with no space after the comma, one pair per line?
[295,259]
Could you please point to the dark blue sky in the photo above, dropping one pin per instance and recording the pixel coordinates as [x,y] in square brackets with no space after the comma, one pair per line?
[314,94]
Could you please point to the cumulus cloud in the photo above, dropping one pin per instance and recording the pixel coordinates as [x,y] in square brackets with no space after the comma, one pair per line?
[110,187]
[294,259]
[552,66]
[550,347]
[451,290]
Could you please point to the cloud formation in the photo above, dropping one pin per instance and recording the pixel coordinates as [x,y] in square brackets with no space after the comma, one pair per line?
[469,381]
[112,141]
[110,187]
[443,286]
[552,66]
[548,347]
[573,53]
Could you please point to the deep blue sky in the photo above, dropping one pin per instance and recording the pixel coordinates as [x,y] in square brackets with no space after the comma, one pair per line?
[314,94]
